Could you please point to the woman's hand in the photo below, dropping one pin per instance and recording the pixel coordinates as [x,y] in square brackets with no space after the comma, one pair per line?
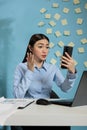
[68,62]
[30,61]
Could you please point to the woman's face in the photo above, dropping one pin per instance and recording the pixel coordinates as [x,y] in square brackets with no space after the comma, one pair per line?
[40,50]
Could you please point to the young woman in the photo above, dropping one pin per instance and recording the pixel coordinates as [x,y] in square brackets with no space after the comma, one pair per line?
[34,77]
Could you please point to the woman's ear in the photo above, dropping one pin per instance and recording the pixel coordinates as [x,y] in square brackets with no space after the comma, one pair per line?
[30,48]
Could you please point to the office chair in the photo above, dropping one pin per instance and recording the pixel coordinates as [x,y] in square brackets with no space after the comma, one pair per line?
[53,94]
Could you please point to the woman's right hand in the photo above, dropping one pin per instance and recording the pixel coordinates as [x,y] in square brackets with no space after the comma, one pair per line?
[30,61]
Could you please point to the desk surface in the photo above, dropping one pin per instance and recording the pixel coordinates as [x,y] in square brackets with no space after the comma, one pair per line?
[50,115]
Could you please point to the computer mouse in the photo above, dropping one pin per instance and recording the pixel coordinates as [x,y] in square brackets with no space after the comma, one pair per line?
[42,101]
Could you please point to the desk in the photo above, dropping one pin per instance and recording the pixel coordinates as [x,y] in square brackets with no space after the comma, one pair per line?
[50,115]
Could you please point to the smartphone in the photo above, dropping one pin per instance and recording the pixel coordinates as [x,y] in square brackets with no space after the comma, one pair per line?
[69,50]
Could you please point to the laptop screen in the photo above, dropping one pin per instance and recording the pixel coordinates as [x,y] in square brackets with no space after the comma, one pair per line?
[81,93]
[80,97]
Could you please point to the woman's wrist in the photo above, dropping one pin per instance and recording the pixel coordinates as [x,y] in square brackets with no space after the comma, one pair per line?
[73,71]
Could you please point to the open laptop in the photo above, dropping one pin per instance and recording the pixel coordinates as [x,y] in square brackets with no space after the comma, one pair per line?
[80,97]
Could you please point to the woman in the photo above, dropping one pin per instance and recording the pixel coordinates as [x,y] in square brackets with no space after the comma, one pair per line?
[34,77]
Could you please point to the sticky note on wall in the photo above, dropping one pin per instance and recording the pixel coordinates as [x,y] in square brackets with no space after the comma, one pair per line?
[79,21]
[79,32]
[47,16]
[51,44]
[71,44]
[57,16]
[84,41]
[57,53]
[64,22]
[66,33]
[49,30]
[78,10]
[60,43]
[76,2]
[55,5]
[53,61]
[66,10]
[57,34]
[85,64]
[81,50]
[43,10]
[40,24]
[52,23]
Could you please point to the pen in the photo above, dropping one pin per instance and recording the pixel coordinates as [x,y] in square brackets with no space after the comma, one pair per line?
[22,107]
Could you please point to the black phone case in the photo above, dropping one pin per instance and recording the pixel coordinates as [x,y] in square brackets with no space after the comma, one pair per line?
[69,50]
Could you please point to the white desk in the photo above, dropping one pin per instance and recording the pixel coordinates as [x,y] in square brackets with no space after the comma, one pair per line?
[50,115]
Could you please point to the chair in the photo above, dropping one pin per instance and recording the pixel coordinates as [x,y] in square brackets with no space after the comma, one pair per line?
[53,94]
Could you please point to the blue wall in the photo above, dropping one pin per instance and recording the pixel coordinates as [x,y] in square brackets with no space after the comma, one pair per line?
[19,19]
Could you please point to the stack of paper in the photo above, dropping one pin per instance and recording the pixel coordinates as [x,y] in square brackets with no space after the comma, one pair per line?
[10,106]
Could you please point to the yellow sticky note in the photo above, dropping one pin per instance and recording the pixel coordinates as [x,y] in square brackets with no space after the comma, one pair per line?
[53,61]
[57,16]
[85,6]
[76,2]
[58,34]
[64,22]
[55,5]
[49,30]
[79,32]
[66,33]
[52,23]
[79,21]
[40,24]
[85,64]
[71,44]
[47,16]
[84,41]
[81,50]
[65,10]
[78,10]
[60,43]
[75,62]
[43,10]
[57,53]
[51,44]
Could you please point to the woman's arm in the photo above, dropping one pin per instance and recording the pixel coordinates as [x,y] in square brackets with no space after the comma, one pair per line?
[22,81]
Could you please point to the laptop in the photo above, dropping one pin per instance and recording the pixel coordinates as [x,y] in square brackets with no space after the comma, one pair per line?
[80,97]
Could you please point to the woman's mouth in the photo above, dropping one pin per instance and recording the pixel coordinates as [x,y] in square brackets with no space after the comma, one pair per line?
[44,56]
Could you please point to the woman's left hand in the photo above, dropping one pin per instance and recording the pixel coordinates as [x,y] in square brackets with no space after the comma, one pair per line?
[68,62]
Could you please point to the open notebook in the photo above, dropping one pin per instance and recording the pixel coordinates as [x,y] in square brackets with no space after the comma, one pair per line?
[80,97]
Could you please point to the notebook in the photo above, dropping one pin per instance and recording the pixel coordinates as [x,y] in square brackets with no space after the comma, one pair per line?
[80,97]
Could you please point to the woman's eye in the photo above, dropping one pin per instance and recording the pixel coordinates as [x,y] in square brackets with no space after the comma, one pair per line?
[42,47]
[39,46]
[47,47]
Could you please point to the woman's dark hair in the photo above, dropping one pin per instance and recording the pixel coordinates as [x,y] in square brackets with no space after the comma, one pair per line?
[34,38]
